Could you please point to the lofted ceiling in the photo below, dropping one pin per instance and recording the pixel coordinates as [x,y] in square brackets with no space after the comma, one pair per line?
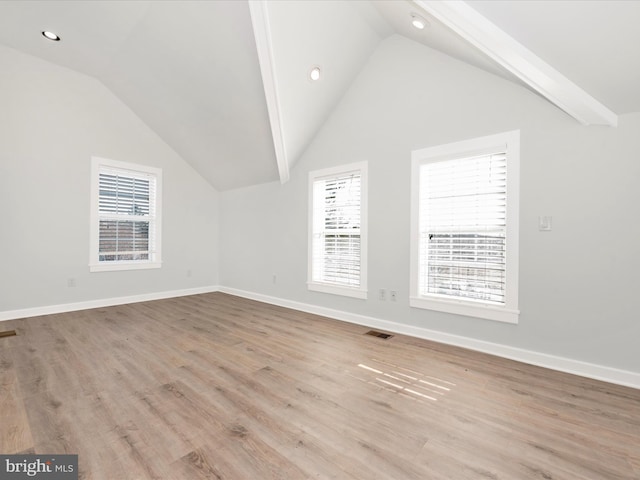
[594,43]
[188,69]
[226,83]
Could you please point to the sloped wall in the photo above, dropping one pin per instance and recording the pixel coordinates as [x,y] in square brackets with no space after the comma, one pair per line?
[578,283]
[52,120]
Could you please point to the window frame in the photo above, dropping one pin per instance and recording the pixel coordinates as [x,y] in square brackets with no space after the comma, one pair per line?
[95,264]
[327,173]
[509,142]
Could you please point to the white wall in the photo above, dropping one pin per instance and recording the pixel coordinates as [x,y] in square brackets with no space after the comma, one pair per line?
[578,294]
[52,120]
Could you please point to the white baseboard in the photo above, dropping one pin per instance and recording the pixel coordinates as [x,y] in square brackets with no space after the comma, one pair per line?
[103,302]
[562,364]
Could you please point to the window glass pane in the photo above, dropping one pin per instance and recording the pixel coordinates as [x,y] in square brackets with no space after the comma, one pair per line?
[123,236]
[336,249]
[462,244]
[124,196]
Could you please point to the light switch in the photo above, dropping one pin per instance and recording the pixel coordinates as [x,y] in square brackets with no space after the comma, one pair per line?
[544,224]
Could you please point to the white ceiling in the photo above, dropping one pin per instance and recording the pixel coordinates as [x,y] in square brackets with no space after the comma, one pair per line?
[594,43]
[333,35]
[435,35]
[191,69]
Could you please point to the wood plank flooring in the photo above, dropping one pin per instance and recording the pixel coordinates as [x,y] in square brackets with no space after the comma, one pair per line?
[218,387]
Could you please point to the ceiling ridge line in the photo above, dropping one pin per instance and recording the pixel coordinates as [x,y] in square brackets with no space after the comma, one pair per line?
[494,42]
[264,45]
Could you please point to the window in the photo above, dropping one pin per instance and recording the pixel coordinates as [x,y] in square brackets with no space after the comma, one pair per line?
[337,230]
[125,216]
[464,240]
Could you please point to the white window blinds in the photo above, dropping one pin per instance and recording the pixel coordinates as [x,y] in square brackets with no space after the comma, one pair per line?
[336,230]
[462,228]
[127,214]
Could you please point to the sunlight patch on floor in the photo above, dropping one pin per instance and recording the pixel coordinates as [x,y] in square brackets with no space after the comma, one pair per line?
[408,382]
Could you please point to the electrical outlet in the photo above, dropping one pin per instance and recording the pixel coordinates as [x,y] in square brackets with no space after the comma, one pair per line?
[383,294]
[188,273]
[71,282]
[393,295]
[274,279]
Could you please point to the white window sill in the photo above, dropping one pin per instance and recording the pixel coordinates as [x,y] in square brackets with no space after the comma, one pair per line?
[114,266]
[337,290]
[470,309]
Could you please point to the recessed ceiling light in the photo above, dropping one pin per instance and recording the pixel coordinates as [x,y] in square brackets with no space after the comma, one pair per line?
[51,36]
[417,21]
[314,74]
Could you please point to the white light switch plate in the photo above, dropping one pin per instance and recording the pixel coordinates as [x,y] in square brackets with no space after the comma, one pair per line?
[544,224]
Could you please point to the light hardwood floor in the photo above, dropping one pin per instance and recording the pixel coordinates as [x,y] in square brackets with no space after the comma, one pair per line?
[215,386]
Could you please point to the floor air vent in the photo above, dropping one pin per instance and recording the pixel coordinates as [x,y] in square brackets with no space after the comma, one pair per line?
[384,336]
[8,333]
